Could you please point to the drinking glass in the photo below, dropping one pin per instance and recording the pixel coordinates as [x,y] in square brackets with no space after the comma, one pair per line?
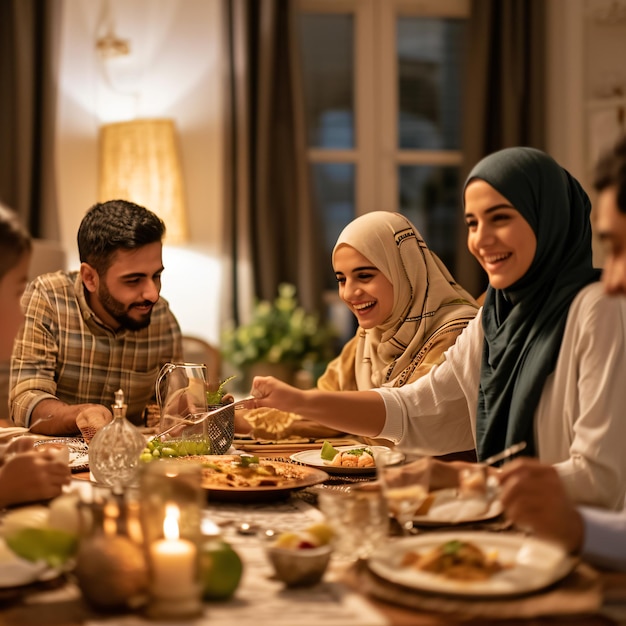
[404,475]
[359,518]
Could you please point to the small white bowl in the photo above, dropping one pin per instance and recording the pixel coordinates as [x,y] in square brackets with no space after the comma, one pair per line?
[299,566]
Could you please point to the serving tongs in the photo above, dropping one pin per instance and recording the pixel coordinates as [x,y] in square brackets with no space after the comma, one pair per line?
[198,418]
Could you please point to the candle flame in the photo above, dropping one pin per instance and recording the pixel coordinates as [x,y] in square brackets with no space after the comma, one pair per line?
[170,523]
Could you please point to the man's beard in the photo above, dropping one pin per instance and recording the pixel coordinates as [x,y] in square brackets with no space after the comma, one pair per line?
[119,312]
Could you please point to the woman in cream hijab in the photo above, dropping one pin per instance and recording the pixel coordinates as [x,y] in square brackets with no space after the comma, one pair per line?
[409,308]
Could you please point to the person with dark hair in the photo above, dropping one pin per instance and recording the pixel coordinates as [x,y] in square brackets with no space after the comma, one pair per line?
[26,474]
[532,493]
[16,249]
[543,360]
[91,332]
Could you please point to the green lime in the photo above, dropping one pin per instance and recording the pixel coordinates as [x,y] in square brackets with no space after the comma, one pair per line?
[221,569]
[48,544]
[328,453]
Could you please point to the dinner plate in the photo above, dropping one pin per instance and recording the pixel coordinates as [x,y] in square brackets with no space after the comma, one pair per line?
[447,510]
[306,477]
[79,451]
[314,459]
[16,572]
[530,564]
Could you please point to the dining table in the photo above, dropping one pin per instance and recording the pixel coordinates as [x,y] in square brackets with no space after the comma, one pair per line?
[350,594]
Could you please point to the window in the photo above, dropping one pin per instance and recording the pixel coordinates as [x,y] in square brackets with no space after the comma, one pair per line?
[382,87]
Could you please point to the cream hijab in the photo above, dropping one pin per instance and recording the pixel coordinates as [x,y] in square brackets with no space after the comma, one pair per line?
[426,298]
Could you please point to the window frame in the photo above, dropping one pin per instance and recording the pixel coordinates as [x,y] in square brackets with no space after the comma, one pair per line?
[376,155]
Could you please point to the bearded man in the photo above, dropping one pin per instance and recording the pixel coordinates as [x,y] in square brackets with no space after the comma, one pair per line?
[91,332]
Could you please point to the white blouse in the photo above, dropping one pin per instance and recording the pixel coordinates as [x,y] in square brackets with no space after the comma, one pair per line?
[580,422]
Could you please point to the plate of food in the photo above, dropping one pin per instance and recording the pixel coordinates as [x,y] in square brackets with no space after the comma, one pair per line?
[444,507]
[241,478]
[480,564]
[78,450]
[16,572]
[359,459]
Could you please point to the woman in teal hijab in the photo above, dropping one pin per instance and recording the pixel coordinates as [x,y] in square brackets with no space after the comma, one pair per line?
[524,322]
[543,361]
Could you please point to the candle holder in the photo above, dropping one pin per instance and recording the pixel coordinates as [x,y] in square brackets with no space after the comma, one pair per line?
[171,508]
[111,568]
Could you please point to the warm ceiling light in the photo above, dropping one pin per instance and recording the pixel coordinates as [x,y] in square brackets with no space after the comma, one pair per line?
[139,162]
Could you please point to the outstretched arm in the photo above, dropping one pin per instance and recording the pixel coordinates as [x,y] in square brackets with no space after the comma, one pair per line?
[356,412]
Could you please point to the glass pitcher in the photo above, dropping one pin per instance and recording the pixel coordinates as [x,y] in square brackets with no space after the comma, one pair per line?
[181,396]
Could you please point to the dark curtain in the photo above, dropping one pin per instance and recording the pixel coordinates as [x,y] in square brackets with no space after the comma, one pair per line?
[28,44]
[504,102]
[270,222]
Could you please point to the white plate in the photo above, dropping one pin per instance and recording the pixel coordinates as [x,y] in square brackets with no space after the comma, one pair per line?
[447,510]
[314,459]
[79,451]
[534,564]
[15,571]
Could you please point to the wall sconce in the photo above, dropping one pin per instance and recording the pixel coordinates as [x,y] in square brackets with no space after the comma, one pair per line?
[139,162]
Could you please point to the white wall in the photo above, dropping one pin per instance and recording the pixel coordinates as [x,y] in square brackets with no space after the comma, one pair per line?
[173,70]
[585,65]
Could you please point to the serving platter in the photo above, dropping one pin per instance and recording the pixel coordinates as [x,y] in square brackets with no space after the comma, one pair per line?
[530,564]
[313,458]
[291,477]
[78,447]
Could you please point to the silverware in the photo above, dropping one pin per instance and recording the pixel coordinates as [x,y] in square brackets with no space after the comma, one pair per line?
[200,417]
[505,454]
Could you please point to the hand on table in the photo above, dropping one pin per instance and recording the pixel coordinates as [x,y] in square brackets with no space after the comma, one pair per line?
[29,476]
[91,419]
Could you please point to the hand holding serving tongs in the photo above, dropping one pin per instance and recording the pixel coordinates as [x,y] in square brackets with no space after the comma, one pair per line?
[198,418]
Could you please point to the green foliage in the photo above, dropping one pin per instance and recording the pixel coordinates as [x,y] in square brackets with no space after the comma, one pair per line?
[214,397]
[279,332]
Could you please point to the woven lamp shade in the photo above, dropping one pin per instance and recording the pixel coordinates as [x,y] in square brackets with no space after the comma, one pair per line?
[139,162]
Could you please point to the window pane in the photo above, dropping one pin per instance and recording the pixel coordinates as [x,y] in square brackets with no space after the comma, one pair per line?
[430,53]
[333,196]
[430,198]
[327,43]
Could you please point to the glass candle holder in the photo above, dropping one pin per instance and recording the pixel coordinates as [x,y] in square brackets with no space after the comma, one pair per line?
[111,568]
[171,508]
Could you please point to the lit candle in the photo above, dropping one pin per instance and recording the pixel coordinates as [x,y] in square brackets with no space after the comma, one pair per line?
[173,562]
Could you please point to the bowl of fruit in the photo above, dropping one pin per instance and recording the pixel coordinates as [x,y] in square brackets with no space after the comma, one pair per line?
[301,558]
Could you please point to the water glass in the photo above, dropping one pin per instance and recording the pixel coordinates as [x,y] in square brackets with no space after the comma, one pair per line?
[359,518]
[404,475]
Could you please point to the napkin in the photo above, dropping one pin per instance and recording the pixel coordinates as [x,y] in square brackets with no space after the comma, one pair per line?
[578,593]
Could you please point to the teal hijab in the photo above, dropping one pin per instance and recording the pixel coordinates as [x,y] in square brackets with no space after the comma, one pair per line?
[524,323]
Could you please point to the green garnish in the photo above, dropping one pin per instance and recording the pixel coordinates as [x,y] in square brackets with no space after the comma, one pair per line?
[452,547]
[359,451]
[246,461]
[214,397]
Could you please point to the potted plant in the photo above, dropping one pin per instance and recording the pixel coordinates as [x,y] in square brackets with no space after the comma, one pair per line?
[280,338]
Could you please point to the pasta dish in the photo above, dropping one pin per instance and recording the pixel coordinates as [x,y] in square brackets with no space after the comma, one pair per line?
[458,560]
[244,472]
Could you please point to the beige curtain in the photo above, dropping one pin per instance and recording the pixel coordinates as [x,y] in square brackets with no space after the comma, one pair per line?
[28,52]
[504,102]
[271,226]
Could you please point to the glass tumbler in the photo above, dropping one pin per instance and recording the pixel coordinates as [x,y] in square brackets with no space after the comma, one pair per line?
[404,475]
[359,518]
[171,501]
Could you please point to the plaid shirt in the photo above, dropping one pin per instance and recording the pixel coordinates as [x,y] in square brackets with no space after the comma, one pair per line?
[65,352]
